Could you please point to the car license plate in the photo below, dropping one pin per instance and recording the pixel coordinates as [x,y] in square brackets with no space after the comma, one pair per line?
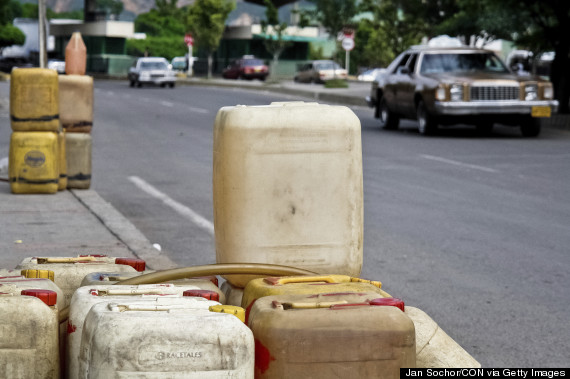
[540,112]
[257,69]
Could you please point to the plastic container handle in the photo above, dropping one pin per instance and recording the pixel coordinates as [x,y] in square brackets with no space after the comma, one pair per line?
[319,305]
[300,279]
[66,260]
[134,292]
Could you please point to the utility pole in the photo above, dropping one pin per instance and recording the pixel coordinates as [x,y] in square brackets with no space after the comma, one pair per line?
[42,33]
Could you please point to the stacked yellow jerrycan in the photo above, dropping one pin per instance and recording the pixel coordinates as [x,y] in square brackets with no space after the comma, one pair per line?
[34,160]
[76,113]
[287,183]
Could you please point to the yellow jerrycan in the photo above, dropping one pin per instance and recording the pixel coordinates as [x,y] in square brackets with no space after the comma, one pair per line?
[34,100]
[340,335]
[287,182]
[62,161]
[34,162]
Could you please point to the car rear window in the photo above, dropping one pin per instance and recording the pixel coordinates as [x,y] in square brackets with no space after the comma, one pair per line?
[253,62]
[435,63]
[154,65]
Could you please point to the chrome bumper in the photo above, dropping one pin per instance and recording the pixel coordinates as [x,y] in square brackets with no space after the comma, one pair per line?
[460,108]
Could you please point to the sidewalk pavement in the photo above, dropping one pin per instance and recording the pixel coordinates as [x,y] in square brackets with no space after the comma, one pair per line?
[75,222]
[68,223]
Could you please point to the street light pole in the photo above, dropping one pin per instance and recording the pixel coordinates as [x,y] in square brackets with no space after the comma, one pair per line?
[42,33]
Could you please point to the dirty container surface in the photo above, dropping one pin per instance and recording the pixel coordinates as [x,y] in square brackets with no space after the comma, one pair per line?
[28,338]
[333,335]
[86,297]
[287,184]
[78,148]
[34,162]
[204,283]
[434,348]
[34,100]
[164,342]
[76,103]
[70,271]
[232,294]
[290,285]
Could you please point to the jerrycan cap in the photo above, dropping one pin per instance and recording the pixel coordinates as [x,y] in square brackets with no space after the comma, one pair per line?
[239,312]
[389,301]
[137,264]
[38,274]
[206,294]
[47,296]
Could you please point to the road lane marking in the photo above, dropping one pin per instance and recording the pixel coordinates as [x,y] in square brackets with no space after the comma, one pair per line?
[167,104]
[179,208]
[457,163]
[198,110]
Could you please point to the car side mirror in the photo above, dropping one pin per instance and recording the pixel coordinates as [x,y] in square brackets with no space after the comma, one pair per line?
[403,71]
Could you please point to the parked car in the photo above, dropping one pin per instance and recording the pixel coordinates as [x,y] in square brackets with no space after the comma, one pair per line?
[179,64]
[444,86]
[319,72]
[8,63]
[370,75]
[153,70]
[247,67]
[57,65]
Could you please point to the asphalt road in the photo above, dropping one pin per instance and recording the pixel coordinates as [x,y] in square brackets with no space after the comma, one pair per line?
[475,231]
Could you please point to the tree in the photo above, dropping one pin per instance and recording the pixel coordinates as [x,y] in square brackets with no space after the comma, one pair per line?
[395,26]
[110,7]
[164,27]
[9,34]
[274,31]
[206,21]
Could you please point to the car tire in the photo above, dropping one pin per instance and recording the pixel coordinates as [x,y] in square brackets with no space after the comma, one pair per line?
[388,119]
[484,128]
[163,85]
[530,127]
[139,84]
[427,124]
[131,83]
[171,85]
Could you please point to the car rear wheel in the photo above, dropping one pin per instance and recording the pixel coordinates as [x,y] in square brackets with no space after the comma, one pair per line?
[427,123]
[530,127]
[171,85]
[388,119]
[131,83]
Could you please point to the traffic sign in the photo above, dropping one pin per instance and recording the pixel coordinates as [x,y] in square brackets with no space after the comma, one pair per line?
[189,40]
[348,44]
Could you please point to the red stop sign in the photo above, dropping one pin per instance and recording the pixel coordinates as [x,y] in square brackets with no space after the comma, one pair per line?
[189,40]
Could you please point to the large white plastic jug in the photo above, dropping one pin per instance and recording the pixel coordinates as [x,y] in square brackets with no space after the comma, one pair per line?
[169,341]
[29,335]
[70,271]
[85,297]
[287,183]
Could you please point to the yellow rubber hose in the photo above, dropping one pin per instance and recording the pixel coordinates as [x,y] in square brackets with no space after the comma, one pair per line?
[206,270]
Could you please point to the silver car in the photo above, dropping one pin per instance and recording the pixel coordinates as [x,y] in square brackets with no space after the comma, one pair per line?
[151,71]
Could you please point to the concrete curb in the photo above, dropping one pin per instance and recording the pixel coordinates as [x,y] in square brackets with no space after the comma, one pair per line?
[315,95]
[123,229]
